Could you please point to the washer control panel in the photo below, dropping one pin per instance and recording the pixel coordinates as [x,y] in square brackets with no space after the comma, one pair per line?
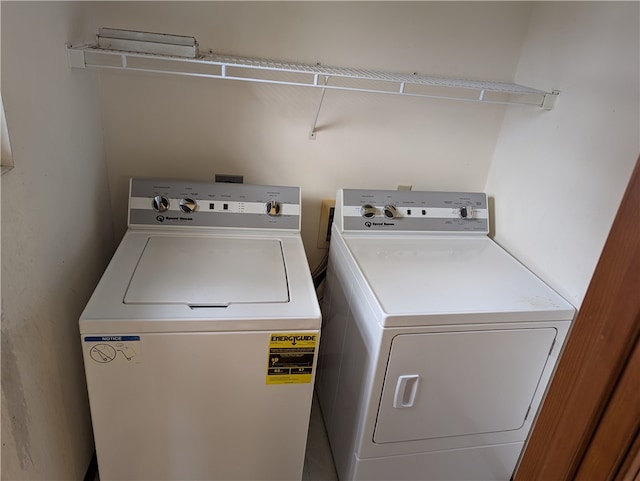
[161,202]
[405,211]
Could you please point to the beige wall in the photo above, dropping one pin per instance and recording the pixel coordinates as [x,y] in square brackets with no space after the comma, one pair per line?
[558,177]
[56,207]
[56,239]
[193,128]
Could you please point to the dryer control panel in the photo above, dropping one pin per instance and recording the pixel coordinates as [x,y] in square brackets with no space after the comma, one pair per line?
[412,211]
[181,203]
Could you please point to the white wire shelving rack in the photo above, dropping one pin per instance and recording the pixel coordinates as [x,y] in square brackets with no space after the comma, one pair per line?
[218,66]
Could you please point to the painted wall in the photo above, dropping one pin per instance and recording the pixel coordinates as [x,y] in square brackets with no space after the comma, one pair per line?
[574,160]
[55,241]
[558,177]
[193,128]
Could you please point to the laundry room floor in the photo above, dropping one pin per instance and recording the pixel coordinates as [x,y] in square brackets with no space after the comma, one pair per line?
[318,462]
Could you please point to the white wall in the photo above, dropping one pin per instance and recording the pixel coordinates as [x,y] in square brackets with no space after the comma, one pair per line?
[193,128]
[575,160]
[558,177]
[56,240]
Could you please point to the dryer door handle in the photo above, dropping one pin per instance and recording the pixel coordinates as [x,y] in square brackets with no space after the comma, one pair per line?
[406,389]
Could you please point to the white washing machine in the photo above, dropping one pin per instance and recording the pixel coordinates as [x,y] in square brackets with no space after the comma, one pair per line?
[200,341]
[437,344]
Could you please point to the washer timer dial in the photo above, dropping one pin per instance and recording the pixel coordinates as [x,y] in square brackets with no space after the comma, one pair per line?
[188,205]
[273,208]
[160,203]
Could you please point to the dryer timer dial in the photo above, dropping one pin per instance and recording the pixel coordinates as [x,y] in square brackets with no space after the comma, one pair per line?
[368,211]
[390,211]
[466,212]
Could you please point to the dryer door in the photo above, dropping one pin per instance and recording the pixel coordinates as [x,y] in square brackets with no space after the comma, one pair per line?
[460,383]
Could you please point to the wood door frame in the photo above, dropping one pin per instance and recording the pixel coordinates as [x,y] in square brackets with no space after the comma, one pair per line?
[588,422]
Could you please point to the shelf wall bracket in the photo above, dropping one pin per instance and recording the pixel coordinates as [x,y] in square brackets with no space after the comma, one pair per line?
[75,56]
[313,133]
[549,100]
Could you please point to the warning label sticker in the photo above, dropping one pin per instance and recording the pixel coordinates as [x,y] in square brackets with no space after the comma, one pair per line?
[291,358]
[107,349]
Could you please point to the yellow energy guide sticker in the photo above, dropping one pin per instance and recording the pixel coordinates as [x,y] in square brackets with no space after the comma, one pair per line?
[291,358]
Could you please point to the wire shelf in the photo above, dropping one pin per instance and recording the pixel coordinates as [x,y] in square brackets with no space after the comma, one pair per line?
[214,65]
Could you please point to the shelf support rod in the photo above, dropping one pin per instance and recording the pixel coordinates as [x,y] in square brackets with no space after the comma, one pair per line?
[312,134]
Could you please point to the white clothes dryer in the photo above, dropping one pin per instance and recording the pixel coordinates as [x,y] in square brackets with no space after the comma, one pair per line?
[199,341]
[437,344]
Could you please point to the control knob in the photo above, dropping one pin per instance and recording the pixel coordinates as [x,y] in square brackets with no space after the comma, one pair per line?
[160,203]
[368,211]
[465,212]
[390,211]
[273,208]
[188,205]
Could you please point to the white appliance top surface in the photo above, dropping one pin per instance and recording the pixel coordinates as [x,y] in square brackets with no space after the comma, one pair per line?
[451,275]
[208,271]
[210,280]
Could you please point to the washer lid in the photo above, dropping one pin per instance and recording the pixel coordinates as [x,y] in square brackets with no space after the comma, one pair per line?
[209,272]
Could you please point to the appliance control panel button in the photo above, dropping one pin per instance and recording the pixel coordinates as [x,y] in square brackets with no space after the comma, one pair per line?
[273,208]
[368,211]
[160,203]
[188,205]
[390,211]
[466,212]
